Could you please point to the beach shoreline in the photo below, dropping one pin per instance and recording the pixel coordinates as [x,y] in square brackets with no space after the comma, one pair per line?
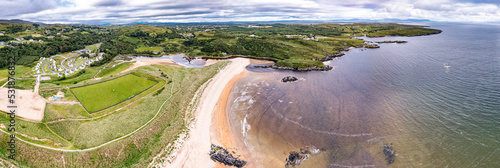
[195,149]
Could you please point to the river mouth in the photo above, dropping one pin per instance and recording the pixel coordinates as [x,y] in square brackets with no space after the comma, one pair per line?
[400,94]
[177,59]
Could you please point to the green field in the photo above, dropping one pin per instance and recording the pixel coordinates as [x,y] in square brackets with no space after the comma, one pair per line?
[98,96]
[92,47]
[151,49]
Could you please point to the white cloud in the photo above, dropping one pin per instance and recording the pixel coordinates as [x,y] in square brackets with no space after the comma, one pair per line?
[123,11]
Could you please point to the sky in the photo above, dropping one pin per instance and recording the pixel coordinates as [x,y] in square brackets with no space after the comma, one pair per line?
[132,11]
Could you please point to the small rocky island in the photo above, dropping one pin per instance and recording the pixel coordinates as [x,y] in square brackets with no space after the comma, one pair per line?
[295,158]
[396,41]
[220,154]
[389,153]
[289,79]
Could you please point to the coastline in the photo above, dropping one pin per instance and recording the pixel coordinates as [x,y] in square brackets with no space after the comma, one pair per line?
[221,130]
[194,150]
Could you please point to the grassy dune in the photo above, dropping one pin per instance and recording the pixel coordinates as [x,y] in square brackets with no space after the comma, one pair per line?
[134,151]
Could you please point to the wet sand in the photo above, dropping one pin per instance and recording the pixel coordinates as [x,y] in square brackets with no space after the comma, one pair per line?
[194,151]
[222,128]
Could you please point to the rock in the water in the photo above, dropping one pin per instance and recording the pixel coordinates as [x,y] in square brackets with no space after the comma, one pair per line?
[326,68]
[389,153]
[289,79]
[220,154]
[295,158]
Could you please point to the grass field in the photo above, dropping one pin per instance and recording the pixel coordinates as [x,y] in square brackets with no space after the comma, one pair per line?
[110,70]
[92,47]
[102,95]
[60,111]
[151,49]
[134,151]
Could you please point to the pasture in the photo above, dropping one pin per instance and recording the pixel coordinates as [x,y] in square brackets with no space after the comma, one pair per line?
[101,95]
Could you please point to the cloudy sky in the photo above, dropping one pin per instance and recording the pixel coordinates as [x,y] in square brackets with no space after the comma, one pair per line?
[127,11]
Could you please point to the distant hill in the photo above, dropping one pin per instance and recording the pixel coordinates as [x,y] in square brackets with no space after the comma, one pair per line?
[19,21]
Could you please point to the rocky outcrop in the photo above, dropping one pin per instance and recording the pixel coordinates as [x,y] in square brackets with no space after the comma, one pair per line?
[239,56]
[397,41]
[295,158]
[326,68]
[389,153]
[220,154]
[289,79]
[372,46]
[330,56]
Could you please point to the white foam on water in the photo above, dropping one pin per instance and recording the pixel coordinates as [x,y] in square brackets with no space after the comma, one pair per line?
[360,166]
[251,101]
[245,127]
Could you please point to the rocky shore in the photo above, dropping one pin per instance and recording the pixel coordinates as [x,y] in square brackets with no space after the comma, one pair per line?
[326,68]
[238,56]
[331,56]
[220,154]
[397,41]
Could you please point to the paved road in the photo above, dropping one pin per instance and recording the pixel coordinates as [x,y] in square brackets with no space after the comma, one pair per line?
[37,84]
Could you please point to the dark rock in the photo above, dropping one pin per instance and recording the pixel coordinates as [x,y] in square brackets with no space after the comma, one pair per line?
[289,79]
[389,153]
[294,158]
[397,41]
[330,56]
[220,154]
[326,68]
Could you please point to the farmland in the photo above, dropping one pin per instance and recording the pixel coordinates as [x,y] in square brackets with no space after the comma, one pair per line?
[68,127]
[98,96]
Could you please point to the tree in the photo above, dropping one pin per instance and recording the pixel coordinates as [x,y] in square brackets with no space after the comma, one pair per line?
[14,29]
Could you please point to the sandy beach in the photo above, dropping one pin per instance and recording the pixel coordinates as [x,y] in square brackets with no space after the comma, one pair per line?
[210,114]
[144,62]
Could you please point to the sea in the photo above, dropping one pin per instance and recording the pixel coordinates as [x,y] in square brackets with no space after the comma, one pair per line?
[436,99]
